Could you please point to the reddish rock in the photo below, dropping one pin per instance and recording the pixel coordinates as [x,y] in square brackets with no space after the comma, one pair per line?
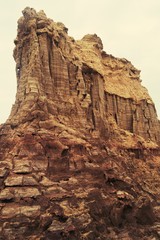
[79,153]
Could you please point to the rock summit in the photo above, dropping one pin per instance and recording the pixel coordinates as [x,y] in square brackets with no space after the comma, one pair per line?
[79,153]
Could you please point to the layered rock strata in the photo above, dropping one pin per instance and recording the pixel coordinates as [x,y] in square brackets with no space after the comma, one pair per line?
[90,85]
[79,153]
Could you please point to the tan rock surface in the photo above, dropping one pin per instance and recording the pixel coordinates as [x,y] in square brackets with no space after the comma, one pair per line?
[79,153]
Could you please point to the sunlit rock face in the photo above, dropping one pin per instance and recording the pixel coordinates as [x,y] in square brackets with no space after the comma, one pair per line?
[79,153]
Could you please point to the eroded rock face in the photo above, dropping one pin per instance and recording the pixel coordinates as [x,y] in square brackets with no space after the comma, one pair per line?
[79,154]
[77,82]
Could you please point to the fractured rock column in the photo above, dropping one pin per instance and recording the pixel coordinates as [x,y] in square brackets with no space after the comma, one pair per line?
[76,83]
[74,162]
[42,72]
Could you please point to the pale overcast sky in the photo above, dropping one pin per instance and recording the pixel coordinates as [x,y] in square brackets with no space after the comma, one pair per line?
[128,29]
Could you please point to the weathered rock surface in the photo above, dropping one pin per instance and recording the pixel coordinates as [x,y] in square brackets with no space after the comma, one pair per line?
[79,153]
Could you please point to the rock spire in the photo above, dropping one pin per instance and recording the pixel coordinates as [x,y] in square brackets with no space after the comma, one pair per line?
[79,153]
[77,82]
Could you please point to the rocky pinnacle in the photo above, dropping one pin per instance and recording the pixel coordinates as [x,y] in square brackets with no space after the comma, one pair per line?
[79,153]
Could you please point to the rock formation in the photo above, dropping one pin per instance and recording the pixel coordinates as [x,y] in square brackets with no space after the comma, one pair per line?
[79,153]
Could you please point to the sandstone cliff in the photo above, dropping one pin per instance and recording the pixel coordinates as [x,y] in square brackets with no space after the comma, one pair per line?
[91,86]
[79,153]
